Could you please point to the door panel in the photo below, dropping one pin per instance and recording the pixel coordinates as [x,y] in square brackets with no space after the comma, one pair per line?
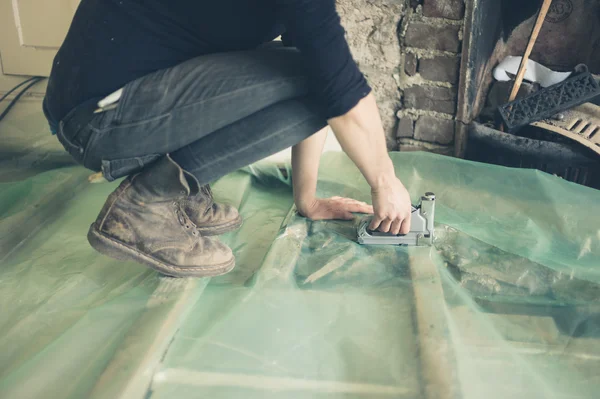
[31,31]
[43,23]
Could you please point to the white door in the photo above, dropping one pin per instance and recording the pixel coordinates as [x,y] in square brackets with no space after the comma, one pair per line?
[31,31]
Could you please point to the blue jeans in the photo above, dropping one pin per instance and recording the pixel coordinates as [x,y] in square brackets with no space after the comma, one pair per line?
[213,114]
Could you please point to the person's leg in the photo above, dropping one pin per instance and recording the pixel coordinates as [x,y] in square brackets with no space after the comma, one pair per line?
[167,110]
[131,224]
[143,220]
[253,138]
[248,106]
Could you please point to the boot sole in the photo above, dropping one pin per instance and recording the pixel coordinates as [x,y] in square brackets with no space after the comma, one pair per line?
[117,250]
[225,228]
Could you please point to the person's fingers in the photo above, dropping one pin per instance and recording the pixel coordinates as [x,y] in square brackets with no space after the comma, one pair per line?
[405,229]
[339,208]
[396,225]
[375,222]
[351,200]
[358,202]
[359,207]
[385,225]
[366,208]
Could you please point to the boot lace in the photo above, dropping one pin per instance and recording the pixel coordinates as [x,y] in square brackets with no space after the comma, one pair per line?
[184,220]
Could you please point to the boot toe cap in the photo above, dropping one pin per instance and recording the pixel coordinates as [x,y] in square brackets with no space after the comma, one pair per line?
[224,219]
[207,257]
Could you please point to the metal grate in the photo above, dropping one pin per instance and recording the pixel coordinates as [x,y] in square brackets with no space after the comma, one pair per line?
[547,102]
[587,129]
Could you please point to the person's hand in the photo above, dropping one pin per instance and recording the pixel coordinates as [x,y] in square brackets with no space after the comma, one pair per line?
[392,207]
[332,208]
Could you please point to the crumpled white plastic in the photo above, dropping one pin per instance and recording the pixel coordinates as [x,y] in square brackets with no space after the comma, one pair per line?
[535,73]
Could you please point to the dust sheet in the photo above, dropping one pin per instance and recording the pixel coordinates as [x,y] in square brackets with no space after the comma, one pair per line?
[506,304]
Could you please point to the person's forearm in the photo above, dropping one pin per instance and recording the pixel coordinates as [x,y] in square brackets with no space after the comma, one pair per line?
[360,133]
[305,167]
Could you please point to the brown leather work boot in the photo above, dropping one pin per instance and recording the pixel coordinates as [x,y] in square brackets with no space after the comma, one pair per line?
[143,220]
[209,217]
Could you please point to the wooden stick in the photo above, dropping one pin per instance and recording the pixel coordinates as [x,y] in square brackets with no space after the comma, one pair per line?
[534,35]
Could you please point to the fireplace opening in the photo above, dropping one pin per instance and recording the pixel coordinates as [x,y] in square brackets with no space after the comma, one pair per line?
[568,42]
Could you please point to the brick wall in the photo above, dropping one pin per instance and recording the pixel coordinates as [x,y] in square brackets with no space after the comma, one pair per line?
[430,36]
[409,50]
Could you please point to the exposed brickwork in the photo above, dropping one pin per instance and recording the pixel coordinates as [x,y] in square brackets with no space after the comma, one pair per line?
[410,64]
[436,130]
[440,68]
[431,98]
[433,37]
[409,52]
[406,127]
[450,9]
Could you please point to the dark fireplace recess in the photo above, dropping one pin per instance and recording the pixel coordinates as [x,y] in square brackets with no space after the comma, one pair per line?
[495,29]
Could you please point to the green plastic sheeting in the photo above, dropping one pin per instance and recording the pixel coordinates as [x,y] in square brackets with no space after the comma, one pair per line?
[505,305]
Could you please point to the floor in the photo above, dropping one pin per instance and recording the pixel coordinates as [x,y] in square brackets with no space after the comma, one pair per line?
[505,304]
